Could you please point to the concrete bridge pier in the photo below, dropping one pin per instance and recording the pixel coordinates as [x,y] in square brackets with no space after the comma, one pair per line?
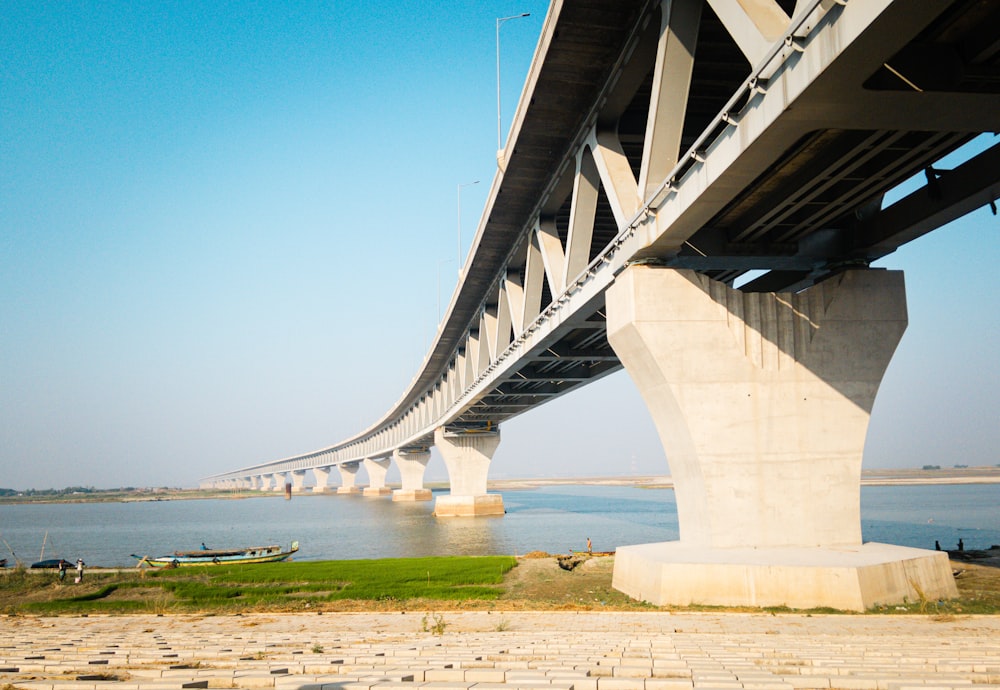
[322,485]
[298,480]
[762,401]
[348,478]
[278,483]
[412,464]
[255,482]
[377,468]
[467,456]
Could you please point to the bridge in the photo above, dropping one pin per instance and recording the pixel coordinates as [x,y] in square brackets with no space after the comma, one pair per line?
[693,190]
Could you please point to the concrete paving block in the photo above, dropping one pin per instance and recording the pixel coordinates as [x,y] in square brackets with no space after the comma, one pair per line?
[669,684]
[854,683]
[632,671]
[608,683]
[806,682]
[455,675]
[484,675]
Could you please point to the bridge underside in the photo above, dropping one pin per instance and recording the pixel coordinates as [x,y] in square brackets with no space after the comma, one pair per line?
[679,145]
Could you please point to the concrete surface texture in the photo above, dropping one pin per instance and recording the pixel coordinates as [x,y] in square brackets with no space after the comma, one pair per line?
[762,402]
[551,650]
[412,465]
[467,457]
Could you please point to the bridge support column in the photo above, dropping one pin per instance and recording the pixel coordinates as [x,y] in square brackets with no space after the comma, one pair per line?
[467,457]
[298,480]
[278,483]
[412,465]
[322,480]
[762,402]
[348,478]
[377,470]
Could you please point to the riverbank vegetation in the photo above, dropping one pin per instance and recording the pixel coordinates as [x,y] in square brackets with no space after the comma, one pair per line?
[535,582]
[288,586]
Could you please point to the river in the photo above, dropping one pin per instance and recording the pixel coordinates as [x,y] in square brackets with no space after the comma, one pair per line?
[555,519]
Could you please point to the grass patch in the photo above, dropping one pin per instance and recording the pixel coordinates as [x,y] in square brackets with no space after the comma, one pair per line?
[272,586]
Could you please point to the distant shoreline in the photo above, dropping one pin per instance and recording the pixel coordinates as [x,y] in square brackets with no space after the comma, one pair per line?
[901,477]
[906,477]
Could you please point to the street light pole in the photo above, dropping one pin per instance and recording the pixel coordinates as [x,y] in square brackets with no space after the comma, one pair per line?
[501,20]
[441,262]
[467,184]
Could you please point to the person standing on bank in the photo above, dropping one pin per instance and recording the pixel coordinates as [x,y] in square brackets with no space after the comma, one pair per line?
[79,570]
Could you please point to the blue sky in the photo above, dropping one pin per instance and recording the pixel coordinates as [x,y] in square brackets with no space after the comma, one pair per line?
[223,228]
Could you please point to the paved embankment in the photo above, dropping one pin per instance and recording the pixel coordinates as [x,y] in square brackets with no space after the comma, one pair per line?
[554,651]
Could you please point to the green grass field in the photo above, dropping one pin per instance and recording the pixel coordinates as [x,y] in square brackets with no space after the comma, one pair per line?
[290,586]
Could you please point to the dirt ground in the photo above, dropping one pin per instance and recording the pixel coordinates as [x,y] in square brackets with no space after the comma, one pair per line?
[541,583]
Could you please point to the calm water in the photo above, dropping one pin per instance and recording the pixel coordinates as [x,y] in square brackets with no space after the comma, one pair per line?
[553,519]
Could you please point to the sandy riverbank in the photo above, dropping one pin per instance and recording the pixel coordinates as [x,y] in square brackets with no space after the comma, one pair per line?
[891,477]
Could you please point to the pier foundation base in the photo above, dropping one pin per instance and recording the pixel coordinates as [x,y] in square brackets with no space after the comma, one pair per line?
[849,579]
[469,506]
[412,495]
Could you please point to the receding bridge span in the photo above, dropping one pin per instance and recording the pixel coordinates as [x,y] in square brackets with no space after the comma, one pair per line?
[693,189]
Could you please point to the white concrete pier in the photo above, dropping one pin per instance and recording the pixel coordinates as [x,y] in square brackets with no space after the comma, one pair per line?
[467,457]
[348,478]
[322,485]
[376,468]
[412,464]
[762,402]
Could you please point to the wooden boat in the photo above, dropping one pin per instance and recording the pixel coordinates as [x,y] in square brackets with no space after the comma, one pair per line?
[251,554]
[51,563]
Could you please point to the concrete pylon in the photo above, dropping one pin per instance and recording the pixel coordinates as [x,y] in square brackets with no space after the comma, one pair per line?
[467,456]
[298,480]
[377,469]
[762,402]
[348,478]
[322,475]
[278,483]
[412,464]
